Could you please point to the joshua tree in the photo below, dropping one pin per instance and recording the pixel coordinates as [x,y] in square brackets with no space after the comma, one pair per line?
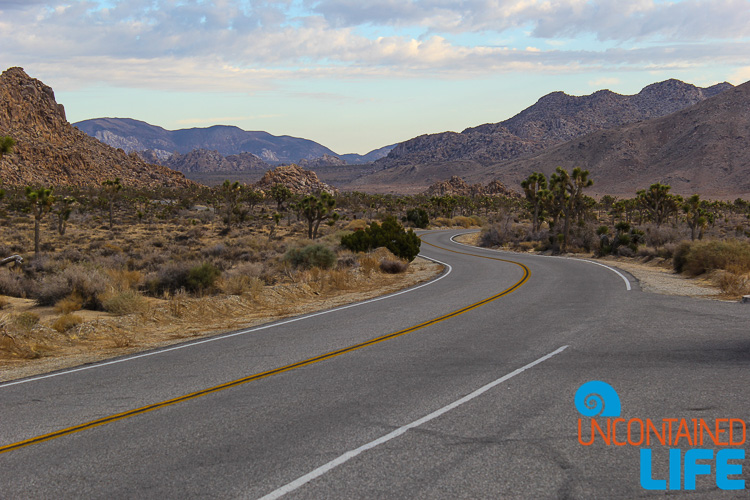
[568,198]
[64,209]
[111,188]
[535,188]
[696,214]
[658,203]
[280,193]
[230,194]
[315,210]
[40,201]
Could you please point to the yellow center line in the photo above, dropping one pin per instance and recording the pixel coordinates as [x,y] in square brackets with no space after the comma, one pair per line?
[193,395]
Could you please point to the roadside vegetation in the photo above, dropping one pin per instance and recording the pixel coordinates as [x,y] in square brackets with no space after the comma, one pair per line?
[693,236]
[186,257]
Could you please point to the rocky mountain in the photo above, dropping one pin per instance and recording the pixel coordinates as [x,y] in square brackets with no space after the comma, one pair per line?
[138,136]
[297,179]
[702,149]
[133,135]
[456,186]
[203,160]
[376,154]
[50,151]
[323,161]
[555,118]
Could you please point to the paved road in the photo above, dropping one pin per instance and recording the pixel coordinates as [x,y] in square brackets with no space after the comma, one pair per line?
[479,404]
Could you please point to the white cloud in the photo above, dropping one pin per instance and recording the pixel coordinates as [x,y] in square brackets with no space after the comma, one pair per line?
[238,46]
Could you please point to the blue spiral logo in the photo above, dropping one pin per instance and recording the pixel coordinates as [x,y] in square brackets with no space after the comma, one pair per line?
[597,398]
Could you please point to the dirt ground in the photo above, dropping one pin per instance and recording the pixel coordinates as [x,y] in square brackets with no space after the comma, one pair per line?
[175,319]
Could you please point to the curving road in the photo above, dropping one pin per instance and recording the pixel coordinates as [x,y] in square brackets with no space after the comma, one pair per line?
[460,388]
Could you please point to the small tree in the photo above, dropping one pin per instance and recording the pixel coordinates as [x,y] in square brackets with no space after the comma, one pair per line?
[40,201]
[315,210]
[111,189]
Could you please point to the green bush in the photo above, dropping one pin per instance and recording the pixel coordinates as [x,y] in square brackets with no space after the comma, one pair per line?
[307,257]
[418,217]
[201,278]
[177,276]
[391,235]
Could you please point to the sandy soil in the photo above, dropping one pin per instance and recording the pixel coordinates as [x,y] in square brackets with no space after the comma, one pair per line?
[173,320]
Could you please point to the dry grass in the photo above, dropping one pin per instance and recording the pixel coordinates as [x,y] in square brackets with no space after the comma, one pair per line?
[69,304]
[66,322]
[733,284]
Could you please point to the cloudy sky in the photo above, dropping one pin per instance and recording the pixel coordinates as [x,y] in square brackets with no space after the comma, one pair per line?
[356,75]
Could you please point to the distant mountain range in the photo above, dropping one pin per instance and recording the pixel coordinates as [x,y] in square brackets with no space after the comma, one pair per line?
[138,136]
[535,138]
[695,139]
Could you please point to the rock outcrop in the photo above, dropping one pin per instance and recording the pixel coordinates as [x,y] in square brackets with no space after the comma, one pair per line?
[323,161]
[297,179]
[50,151]
[203,160]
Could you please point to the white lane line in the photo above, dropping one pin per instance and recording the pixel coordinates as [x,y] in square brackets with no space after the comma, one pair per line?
[288,488]
[627,282]
[235,334]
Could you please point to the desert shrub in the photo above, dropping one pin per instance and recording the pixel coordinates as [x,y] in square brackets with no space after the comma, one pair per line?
[491,237]
[356,225]
[88,282]
[733,283]
[202,277]
[393,266]
[239,284]
[26,320]
[66,322]
[186,276]
[347,260]
[368,263]
[309,256]
[679,256]
[13,284]
[728,255]
[73,302]
[123,302]
[391,235]
[418,217]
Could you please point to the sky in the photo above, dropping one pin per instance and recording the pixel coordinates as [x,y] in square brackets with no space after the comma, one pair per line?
[356,75]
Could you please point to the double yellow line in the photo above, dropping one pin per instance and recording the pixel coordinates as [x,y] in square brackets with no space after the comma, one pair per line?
[257,376]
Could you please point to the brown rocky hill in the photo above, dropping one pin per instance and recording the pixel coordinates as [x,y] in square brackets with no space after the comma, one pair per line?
[456,186]
[703,149]
[203,160]
[323,161]
[297,179]
[49,151]
[555,118]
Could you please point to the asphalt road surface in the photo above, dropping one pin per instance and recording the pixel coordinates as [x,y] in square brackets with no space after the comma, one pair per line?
[460,388]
